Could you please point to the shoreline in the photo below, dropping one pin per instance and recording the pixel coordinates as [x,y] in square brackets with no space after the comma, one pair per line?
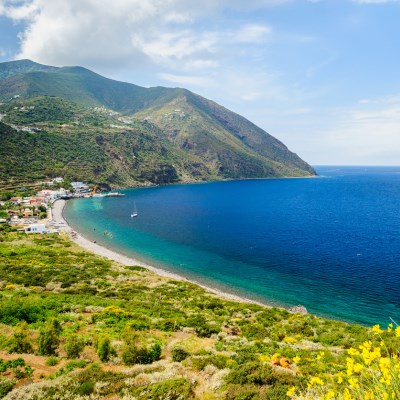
[57,215]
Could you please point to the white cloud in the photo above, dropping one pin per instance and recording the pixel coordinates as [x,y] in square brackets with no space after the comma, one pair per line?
[184,80]
[252,33]
[104,34]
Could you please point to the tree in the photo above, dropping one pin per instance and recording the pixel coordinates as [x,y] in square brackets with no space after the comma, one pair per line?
[42,208]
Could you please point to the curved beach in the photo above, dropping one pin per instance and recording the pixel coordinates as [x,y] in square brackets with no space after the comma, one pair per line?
[79,239]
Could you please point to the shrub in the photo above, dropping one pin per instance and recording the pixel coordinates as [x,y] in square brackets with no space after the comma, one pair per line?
[134,352]
[13,311]
[179,354]
[51,361]
[243,392]
[48,340]
[71,365]
[201,326]
[74,346]
[141,355]
[85,389]
[6,385]
[19,341]
[104,349]
[174,389]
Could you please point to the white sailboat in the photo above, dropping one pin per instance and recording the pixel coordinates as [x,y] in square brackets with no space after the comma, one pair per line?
[134,212]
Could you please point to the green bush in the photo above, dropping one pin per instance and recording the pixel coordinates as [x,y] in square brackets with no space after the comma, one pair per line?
[74,346]
[104,349]
[13,311]
[179,354]
[140,355]
[244,392]
[85,388]
[6,385]
[201,326]
[71,365]
[52,361]
[48,340]
[19,342]
[174,389]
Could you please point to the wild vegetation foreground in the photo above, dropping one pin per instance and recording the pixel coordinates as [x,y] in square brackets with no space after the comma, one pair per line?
[76,326]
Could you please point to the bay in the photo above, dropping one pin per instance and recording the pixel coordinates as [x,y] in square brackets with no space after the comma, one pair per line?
[329,243]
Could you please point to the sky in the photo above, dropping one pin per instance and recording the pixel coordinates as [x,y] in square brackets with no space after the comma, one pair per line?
[323,76]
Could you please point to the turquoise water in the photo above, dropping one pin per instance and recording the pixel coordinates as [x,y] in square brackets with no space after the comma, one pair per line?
[329,243]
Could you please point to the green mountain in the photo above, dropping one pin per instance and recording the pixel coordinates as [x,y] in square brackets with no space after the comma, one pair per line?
[200,140]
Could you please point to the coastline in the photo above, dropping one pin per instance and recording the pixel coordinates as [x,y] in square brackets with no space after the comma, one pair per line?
[80,240]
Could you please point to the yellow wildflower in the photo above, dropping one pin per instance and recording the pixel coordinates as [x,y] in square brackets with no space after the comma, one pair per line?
[397,331]
[384,366]
[340,378]
[347,395]
[390,327]
[320,355]
[231,363]
[353,382]
[291,391]
[264,358]
[369,395]
[358,368]
[367,345]
[275,356]
[353,352]
[369,354]
[350,366]
[376,330]
[314,381]
[296,359]
[330,395]
[290,340]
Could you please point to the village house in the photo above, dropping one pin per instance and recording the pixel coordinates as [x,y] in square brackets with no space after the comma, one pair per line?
[27,213]
[79,187]
[16,200]
[38,228]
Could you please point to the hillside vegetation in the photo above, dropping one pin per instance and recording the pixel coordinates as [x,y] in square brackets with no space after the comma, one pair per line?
[76,326]
[197,139]
[83,144]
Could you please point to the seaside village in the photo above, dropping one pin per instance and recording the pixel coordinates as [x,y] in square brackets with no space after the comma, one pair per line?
[33,214]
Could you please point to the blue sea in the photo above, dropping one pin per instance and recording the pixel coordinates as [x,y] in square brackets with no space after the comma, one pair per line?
[330,243]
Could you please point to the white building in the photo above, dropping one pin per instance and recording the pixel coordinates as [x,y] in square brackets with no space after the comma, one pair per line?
[38,228]
[79,187]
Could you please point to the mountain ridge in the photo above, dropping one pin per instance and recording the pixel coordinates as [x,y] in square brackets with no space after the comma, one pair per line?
[199,131]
